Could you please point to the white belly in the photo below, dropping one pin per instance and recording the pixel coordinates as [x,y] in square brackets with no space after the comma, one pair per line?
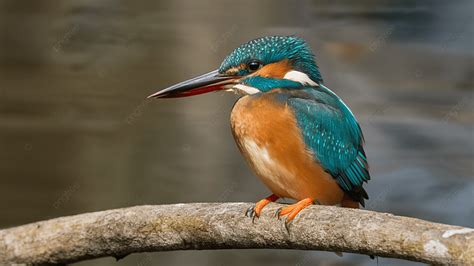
[272,173]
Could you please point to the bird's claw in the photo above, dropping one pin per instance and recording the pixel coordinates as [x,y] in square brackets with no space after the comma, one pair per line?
[277,213]
[250,211]
[251,214]
[287,221]
[256,210]
[292,211]
[287,225]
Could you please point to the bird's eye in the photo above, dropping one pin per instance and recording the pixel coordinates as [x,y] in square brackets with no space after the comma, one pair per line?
[254,65]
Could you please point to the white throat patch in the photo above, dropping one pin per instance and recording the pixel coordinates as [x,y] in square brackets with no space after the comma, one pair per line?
[244,89]
[300,77]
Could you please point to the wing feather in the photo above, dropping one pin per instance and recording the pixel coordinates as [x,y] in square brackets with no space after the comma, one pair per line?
[332,134]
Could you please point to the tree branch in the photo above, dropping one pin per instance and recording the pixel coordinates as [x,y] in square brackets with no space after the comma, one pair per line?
[223,225]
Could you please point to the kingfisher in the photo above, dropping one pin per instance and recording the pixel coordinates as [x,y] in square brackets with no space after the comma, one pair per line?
[298,136]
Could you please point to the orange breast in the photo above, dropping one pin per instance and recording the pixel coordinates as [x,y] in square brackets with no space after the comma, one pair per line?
[266,133]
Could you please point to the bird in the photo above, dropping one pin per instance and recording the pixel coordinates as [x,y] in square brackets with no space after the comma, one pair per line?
[298,136]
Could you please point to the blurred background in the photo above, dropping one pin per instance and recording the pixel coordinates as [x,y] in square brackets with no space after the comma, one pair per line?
[77,135]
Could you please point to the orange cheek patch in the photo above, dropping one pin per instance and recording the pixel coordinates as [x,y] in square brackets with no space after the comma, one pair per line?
[274,70]
[234,70]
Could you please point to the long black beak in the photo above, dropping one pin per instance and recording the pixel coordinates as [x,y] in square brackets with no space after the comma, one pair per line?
[211,81]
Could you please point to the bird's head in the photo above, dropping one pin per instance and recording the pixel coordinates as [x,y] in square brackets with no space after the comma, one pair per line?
[256,66]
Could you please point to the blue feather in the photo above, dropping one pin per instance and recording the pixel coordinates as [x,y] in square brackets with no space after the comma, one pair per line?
[273,49]
[267,84]
[332,134]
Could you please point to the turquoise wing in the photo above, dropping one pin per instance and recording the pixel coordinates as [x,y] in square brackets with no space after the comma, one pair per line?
[332,134]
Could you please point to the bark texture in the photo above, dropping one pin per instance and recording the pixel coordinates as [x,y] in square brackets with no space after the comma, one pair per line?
[223,225]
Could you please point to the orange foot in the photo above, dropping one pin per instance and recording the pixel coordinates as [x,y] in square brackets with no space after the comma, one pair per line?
[257,209]
[293,209]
